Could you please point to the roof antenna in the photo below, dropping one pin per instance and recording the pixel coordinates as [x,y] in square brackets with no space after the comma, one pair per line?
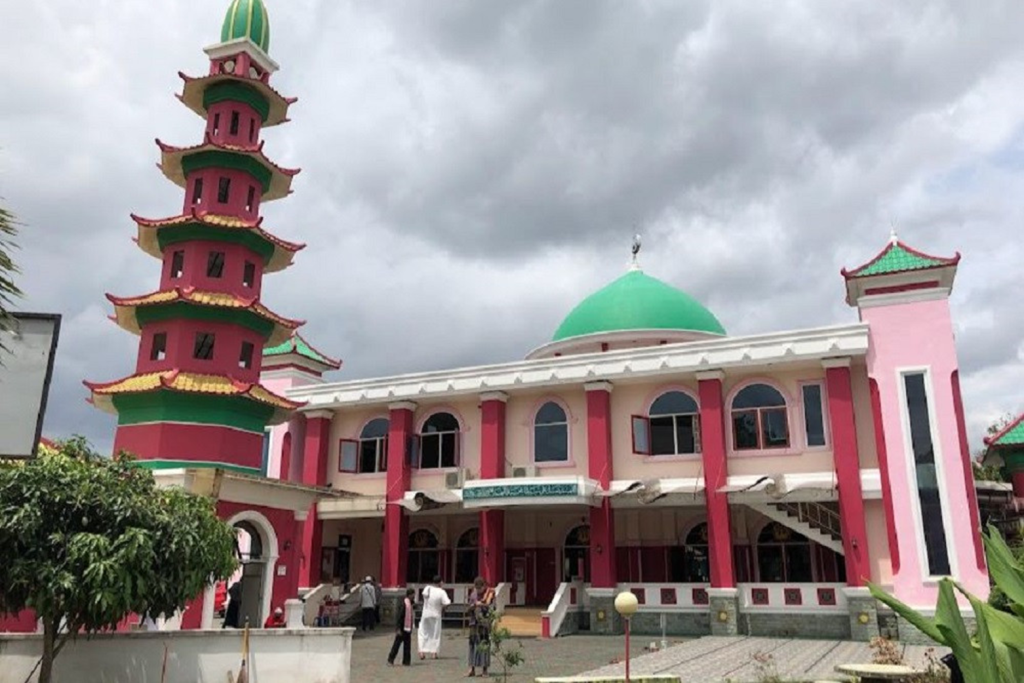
[637,243]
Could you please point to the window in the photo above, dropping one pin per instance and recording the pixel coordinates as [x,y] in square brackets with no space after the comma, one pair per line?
[249,274]
[348,455]
[439,442]
[783,555]
[216,124]
[250,198]
[550,434]
[197,192]
[177,264]
[934,528]
[223,190]
[245,356]
[690,563]
[673,427]
[467,556]
[759,419]
[215,264]
[814,414]
[158,351]
[203,347]
[252,130]
[373,446]
[424,557]
[233,128]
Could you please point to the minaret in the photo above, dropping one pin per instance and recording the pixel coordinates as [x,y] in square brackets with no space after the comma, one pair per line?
[195,398]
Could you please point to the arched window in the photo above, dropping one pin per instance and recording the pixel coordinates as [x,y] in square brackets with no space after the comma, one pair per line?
[550,434]
[373,446]
[759,418]
[576,558]
[467,556]
[690,563]
[783,555]
[424,557]
[439,442]
[674,424]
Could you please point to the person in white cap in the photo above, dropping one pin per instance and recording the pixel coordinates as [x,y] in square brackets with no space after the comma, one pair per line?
[368,602]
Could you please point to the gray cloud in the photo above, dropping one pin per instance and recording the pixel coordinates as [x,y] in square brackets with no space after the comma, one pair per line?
[474,168]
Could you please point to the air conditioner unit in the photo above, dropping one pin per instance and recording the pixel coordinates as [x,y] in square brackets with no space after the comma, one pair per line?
[524,472]
[455,479]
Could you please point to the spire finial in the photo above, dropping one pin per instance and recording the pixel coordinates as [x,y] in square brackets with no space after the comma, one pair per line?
[637,243]
[893,236]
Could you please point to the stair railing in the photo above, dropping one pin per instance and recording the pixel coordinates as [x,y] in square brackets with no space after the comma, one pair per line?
[554,615]
[502,595]
[816,515]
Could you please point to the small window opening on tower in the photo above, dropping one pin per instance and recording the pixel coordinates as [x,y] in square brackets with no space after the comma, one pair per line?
[197,192]
[223,190]
[250,199]
[216,124]
[215,264]
[245,357]
[203,348]
[177,264]
[158,351]
[249,274]
[233,130]
[252,130]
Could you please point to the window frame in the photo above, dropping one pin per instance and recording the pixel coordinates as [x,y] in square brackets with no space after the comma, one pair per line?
[158,347]
[675,427]
[246,353]
[177,270]
[382,445]
[456,436]
[214,265]
[788,403]
[249,275]
[223,189]
[341,456]
[826,426]
[202,336]
[568,434]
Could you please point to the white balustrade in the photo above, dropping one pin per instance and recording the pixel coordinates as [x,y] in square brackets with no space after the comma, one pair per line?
[554,615]
[792,597]
[502,595]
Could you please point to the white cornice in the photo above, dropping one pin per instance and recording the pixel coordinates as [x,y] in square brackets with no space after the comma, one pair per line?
[494,396]
[601,385]
[730,352]
[233,47]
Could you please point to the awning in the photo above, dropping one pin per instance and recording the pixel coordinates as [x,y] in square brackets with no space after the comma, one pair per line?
[651,490]
[429,500]
[363,507]
[532,491]
[780,485]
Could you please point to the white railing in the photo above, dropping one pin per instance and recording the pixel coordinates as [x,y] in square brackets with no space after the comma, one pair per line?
[792,597]
[669,597]
[517,594]
[502,594]
[311,602]
[554,615]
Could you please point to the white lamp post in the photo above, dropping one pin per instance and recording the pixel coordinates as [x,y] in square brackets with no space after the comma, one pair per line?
[626,605]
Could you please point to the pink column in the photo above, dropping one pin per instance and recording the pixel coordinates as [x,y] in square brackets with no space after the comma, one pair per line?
[314,473]
[716,472]
[847,463]
[599,456]
[396,523]
[492,466]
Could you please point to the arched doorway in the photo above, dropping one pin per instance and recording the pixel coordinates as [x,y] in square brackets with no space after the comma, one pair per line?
[467,556]
[424,557]
[257,551]
[783,555]
[576,556]
[690,561]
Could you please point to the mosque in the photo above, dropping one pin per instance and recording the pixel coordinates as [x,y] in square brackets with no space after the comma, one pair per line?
[749,484]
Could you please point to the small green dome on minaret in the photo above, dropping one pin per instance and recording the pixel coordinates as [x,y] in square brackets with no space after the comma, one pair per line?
[247,19]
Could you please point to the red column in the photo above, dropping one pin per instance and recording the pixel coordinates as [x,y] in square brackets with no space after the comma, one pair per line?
[847,460]
[314,473]
[396,523]
[1017,479]
[599,457]
[492,466]
[716,472]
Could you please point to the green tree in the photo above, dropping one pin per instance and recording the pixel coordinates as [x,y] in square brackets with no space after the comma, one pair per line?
[8,290]
[86,540]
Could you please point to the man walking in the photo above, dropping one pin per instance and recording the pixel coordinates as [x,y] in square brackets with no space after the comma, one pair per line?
[368,602]
[403,630]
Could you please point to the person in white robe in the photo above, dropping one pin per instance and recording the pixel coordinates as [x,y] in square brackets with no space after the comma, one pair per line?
[428,637]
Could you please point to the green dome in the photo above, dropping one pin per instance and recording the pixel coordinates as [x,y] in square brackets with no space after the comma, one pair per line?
[247,19]
[638,302]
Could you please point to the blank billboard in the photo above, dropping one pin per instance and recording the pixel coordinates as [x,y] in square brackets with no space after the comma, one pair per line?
[26,367]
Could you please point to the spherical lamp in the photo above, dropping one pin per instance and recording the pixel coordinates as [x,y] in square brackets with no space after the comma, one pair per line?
[626,604]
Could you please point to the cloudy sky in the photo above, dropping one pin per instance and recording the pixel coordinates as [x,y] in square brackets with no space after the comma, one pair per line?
[472,169]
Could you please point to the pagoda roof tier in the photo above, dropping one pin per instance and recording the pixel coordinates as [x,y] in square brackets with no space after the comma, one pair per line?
[204,91]
[131,313]
[177,162]
[897,257]
[1010,436]
[174,380]
[155,235]
[297,345]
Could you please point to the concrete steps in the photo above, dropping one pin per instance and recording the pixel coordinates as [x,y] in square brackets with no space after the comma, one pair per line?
[523,622]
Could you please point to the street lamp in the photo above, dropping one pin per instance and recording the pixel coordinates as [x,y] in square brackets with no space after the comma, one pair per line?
[626,605]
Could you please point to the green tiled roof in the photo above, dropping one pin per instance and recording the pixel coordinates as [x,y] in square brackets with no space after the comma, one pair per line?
[247,19]
[299,346]
[899,258]
[1012,435]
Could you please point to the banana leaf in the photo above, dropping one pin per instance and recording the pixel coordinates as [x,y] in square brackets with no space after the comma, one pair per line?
[991,667]
[1003,567]
[922,623]
[949,622]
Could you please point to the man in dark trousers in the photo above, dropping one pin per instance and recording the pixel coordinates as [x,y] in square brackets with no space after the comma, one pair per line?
[403,630]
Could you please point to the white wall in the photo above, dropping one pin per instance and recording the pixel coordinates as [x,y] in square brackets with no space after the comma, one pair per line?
[277,656]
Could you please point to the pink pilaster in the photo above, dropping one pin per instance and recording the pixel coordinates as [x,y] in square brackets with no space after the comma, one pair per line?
[712,423]
[847,464]
[314,473]
[396,523]
[599,455]
[492,466]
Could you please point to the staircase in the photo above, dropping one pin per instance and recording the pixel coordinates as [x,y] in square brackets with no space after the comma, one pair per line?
[522,622]
[817,522]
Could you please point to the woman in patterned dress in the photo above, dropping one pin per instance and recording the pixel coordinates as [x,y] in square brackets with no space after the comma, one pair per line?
[481,602]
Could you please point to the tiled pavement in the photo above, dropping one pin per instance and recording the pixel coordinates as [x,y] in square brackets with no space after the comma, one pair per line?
[724,658]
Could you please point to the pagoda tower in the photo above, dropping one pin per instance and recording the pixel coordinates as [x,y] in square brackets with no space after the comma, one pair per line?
[195,398]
